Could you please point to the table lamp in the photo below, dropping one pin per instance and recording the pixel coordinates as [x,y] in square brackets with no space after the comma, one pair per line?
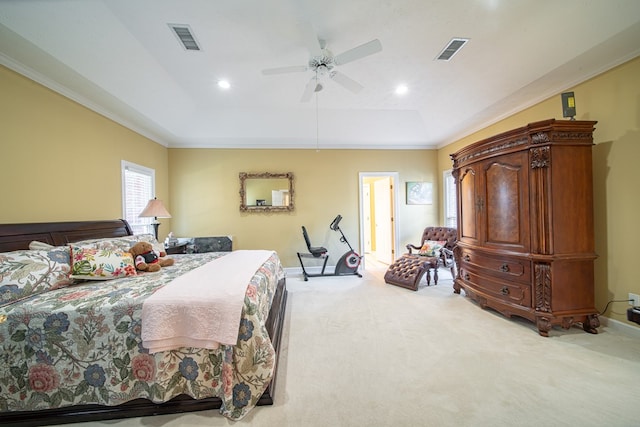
[155,208]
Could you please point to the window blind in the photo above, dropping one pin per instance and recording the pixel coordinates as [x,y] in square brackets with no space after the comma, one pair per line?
[138,187]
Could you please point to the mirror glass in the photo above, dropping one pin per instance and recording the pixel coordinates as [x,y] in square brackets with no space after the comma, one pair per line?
[266,191]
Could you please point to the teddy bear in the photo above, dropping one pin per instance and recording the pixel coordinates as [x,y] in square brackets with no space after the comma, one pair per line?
[146,258]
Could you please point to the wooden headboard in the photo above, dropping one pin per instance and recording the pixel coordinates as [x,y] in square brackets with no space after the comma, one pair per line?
[18,236]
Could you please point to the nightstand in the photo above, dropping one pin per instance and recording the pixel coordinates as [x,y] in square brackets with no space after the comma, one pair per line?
[180,248]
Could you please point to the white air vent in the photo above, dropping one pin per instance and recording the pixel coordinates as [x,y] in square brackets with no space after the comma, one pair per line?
[452,48]
[185,36]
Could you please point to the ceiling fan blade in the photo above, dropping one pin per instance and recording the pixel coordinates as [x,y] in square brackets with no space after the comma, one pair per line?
[285,70]
[346,82]
[311,40]
[369,48]
[308,90]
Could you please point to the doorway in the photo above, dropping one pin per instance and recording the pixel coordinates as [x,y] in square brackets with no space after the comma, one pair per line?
[378,225]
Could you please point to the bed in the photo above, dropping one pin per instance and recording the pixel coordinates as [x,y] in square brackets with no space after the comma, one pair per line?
[73,352]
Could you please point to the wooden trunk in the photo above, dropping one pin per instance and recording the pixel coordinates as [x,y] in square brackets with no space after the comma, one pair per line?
[525,223]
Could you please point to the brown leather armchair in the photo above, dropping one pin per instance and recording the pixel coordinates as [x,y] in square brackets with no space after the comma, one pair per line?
[443,234]
[407,270]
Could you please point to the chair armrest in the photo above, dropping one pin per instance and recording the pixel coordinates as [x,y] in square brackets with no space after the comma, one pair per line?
[447,252]
[447,256]
[410,246]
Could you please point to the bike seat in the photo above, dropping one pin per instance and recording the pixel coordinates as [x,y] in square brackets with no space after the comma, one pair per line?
[316,251]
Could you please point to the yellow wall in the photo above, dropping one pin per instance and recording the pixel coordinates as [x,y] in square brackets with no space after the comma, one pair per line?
[205,201]
[61,161]
[613,99]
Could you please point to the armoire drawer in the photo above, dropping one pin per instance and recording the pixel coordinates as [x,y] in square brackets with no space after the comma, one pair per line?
[505,268]
[513,293]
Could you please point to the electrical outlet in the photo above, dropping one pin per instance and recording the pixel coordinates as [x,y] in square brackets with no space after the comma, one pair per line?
[635,298]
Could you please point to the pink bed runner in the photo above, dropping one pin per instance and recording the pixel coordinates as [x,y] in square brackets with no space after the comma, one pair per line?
[201,308]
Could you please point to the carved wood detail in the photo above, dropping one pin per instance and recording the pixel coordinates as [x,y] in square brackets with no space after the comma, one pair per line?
[494,149]
[540,137]
[591,324]
[542,284]
[540,157]
[544,326]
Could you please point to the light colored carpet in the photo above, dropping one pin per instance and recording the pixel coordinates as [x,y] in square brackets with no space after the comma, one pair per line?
[358,352]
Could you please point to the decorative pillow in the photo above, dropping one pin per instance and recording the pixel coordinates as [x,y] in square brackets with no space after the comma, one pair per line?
[432,248]
[123,243]
[30,272]
[90,263]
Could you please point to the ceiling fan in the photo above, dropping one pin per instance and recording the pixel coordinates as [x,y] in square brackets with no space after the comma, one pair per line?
[323,64]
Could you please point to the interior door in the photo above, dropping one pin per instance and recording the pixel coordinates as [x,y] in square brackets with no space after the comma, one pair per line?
[369,210]
[383,220]
[469,204]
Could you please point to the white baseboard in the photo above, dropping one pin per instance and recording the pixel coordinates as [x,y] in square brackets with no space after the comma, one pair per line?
[293,271]
[622,327]
[297,271]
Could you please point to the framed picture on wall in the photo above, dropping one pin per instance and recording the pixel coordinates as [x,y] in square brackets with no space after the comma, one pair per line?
[419,193]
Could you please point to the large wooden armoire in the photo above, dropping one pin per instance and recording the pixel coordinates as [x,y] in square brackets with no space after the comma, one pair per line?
[525,223]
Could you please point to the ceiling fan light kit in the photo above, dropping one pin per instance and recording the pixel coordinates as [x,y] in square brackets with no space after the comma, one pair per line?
[323,63]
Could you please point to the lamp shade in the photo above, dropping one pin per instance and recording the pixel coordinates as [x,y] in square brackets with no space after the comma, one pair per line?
[155,208]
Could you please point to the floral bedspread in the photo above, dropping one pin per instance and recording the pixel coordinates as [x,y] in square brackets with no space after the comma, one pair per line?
[81,345]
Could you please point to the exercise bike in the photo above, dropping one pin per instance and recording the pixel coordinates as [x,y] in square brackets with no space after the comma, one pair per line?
[347,264]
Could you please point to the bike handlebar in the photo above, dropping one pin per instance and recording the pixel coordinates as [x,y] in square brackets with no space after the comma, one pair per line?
[335,223]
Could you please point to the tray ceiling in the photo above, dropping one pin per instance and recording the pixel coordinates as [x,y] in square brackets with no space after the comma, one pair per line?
[122,59]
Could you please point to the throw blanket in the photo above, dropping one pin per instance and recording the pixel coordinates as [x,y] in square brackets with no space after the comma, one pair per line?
[201,308]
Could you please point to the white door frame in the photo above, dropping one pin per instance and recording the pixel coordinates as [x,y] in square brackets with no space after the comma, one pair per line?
[395,178]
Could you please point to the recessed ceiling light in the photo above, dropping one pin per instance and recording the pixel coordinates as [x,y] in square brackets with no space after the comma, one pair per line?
[401,89]
[224,84]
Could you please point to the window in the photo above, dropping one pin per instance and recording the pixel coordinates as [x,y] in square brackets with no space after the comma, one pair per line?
[138,187]
[450,201]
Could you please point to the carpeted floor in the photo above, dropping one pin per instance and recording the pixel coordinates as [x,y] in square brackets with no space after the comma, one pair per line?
[358,352]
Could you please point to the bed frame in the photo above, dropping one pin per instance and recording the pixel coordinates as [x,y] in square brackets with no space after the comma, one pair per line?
[18,236]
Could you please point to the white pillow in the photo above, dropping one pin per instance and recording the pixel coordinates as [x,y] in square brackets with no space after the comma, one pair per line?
[40,246]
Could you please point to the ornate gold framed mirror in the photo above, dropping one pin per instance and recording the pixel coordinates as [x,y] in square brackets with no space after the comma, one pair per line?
[266,192]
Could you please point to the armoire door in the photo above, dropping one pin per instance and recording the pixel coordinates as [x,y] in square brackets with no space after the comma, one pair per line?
[505,202]
[468,205]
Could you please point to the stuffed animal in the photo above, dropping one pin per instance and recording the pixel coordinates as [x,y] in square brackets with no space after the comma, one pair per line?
[146,258]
